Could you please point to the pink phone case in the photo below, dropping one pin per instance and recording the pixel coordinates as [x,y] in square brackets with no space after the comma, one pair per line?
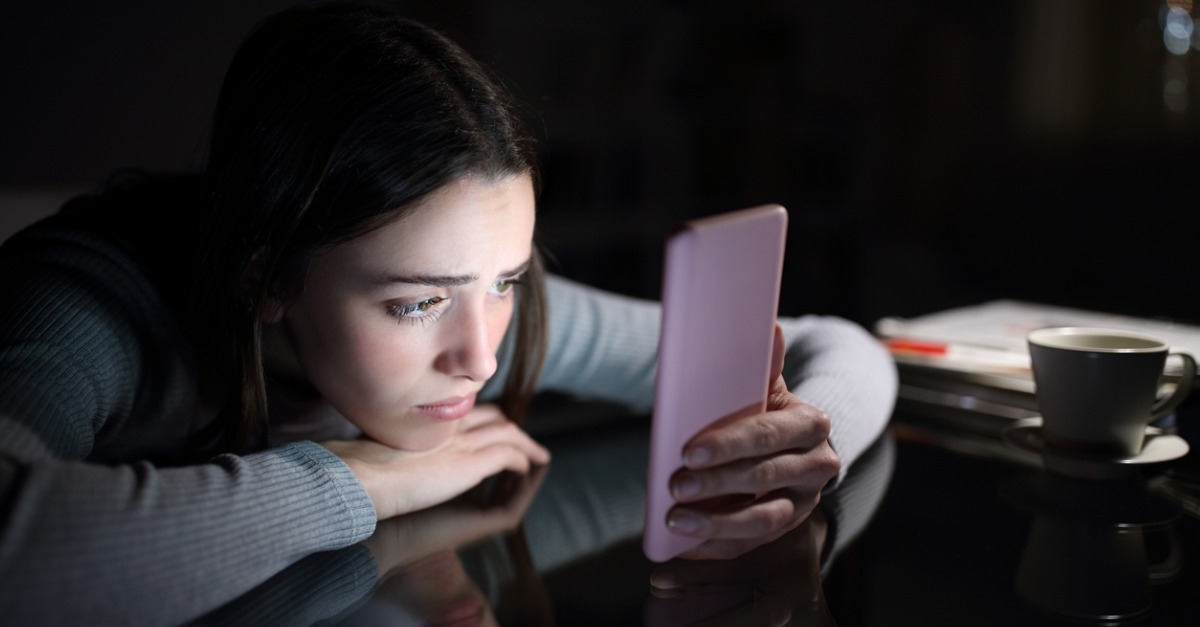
[720,298]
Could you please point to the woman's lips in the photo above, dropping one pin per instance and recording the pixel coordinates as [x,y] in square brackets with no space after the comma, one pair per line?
[451,408]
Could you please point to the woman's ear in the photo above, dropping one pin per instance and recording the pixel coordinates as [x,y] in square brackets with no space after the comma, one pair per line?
[271,310]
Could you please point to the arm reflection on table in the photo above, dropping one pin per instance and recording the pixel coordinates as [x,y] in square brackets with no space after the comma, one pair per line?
[423,576]
[409,572]
[490,552]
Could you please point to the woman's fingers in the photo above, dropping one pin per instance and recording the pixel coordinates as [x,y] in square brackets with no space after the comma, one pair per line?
[806,470]
[781,448]
[791,425]
[497,432]
[400,482]
[763,517]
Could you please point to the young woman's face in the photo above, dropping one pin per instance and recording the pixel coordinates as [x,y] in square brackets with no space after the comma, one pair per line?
[399,329]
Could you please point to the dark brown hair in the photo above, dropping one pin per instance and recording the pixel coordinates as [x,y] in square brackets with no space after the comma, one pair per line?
[334,120]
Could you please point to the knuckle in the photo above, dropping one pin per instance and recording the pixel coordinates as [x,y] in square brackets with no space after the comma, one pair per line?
[777,517]
[832,462]
[767,435]
[822,422]
[765,473]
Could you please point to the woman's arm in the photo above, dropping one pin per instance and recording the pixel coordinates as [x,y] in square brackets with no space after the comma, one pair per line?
[605,346]
[835,401]
[90,378]
[86,543]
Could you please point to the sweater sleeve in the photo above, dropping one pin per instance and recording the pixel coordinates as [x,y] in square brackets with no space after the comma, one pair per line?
[91,544]
[605,346]
[90,532]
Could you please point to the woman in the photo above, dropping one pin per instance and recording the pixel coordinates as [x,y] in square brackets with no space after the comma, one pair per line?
[192,409]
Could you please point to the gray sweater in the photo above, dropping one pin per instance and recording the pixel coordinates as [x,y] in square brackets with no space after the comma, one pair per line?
[98,396]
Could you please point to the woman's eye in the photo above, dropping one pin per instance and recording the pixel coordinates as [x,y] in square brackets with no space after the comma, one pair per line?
[418,310]
[505,286]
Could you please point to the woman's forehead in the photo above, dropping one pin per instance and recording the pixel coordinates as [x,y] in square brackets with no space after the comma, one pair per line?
[461,223]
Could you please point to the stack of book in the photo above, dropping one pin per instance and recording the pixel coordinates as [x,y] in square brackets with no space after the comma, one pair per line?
[965,372]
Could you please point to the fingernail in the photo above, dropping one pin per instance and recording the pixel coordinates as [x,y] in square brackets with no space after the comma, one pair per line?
[684,523]
[664,580]
[685,487]
[697,456]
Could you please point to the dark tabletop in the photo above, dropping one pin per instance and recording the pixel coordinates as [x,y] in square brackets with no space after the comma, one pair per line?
[974,532]
[925,530]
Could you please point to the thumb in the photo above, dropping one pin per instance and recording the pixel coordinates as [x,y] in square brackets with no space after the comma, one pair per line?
[777,390]
[777,353]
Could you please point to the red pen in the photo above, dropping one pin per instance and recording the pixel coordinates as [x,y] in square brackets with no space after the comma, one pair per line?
[964,353]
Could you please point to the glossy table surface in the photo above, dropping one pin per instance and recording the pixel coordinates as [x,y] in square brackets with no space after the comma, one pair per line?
[964,539]
[919,533]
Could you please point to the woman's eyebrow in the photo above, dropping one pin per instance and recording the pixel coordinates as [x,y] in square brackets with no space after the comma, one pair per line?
[438,280]
[431,280]
[517,271]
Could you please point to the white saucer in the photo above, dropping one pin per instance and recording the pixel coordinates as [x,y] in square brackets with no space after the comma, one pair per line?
[1158,447]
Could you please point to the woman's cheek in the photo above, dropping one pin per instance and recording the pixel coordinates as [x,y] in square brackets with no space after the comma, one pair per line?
[500,323]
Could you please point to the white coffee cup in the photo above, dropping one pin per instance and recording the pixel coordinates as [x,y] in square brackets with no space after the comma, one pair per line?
[1096,388]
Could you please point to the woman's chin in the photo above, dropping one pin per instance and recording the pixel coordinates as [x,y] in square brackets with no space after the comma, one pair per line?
[428,438]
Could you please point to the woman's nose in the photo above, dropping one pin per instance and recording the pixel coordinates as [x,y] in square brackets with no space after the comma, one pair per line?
[468,350]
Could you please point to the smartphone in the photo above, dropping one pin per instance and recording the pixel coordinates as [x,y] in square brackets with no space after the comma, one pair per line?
[720,299]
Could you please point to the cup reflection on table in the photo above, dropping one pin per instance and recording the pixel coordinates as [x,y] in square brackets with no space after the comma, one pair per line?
[1089,571]
[1094,549]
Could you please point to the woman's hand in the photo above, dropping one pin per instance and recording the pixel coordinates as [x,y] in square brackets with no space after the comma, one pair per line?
[400,482]
[746,483]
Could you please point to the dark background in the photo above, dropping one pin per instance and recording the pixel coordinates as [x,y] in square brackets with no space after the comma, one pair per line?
[932,153]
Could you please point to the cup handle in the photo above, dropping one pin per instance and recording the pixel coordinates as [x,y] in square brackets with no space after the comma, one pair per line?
[1166,405]
[1169,566]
